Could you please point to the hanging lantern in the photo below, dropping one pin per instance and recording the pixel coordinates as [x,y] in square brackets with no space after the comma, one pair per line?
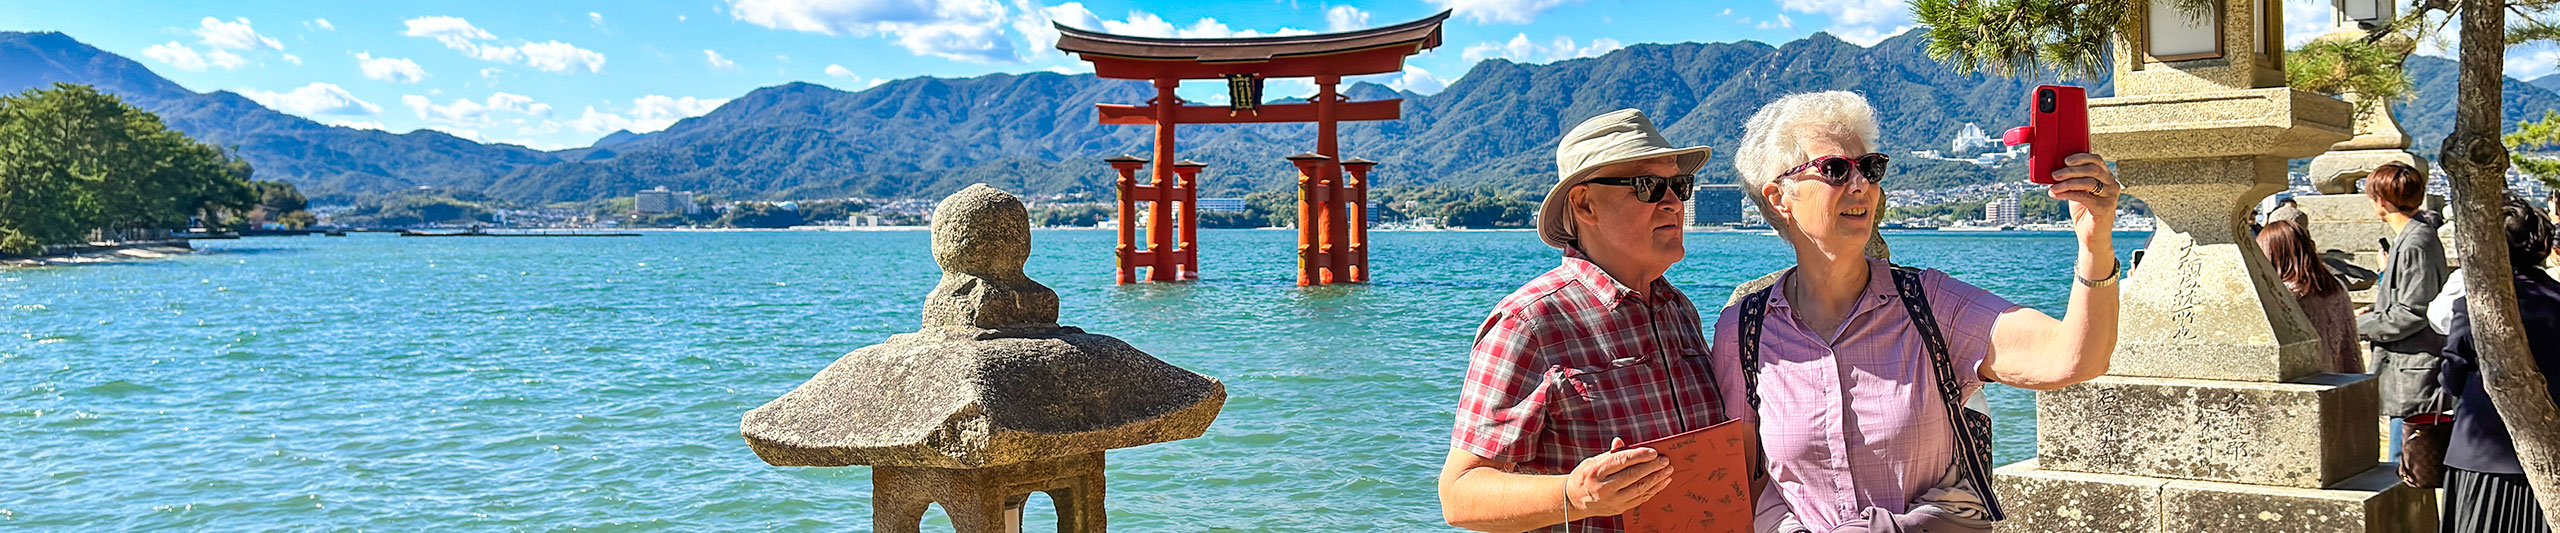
[1244,92]
[2364,13]
[2173,34]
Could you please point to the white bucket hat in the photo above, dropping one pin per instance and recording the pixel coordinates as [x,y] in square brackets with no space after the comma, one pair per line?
[1611,138]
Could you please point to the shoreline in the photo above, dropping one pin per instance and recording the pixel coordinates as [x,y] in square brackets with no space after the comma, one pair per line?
[91,255]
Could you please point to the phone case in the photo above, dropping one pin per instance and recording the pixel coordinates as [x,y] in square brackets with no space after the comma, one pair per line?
[2057,127]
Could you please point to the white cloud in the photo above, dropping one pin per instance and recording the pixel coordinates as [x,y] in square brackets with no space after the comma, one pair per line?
[1520,48]
[1865,22]
[1782,23]
[1511,11]
[646,114]
[452,31]
[841,72]
[187,59]
[469,114]
[2532,61]
[2304,21]
[492,72]
[968,30]
[1035,23]
[595,18]
[1418,80]
[717,61]
[358,124]
[786,58]
[234,35]
[314,99]
[321,24]
[460,35]
[1149,25]
[294,59]
[556,56]
[1345,18]
[395,70]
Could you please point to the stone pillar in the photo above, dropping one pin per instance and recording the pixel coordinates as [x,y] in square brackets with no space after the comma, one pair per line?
[2213,416]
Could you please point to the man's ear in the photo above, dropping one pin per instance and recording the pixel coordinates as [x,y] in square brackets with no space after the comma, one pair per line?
[1577,203]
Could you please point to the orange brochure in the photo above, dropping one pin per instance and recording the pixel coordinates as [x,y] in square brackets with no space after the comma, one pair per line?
[1710,482]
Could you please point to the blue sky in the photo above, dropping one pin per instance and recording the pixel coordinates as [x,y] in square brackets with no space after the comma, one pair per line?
[562,74]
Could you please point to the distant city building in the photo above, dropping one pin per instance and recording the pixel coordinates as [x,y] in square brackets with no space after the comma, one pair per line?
[2001,212]
[1222,205]
[1717,205]
[663,201]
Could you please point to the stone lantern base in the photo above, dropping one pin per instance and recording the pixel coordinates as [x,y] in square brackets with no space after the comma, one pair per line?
[2372,502]
[2285,457]
[989,500]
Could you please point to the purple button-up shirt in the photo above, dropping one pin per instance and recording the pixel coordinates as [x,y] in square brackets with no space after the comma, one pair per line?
[1856,423]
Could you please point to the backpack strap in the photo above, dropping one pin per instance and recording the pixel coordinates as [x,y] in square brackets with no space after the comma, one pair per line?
[1755,309]
[1972,428]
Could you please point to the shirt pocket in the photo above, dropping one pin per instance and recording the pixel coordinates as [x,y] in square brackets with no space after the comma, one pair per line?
[1699,388]
[1606,395]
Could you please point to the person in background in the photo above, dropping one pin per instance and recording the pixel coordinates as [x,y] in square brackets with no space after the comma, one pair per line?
[1596,354]
[2405,348]
[2484,484]
[2324,300]
[1857,434]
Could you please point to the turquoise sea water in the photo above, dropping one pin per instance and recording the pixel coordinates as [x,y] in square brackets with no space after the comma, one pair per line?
[386,383]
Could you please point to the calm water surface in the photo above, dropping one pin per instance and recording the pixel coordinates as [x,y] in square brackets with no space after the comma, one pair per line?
[377,382]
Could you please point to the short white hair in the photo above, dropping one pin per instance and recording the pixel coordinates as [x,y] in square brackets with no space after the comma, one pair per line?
[1774,139]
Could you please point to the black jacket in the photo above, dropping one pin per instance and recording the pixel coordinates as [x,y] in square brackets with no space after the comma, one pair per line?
[2479,440]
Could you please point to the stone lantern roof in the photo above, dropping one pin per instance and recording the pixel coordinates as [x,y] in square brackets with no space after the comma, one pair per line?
[990,380]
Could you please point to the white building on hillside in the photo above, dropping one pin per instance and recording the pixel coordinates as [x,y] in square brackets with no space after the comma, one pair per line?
[663,201]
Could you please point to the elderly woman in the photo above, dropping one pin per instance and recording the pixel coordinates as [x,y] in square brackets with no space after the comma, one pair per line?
[1843,358]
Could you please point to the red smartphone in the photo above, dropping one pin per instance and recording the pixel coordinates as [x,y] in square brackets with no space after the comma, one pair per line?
[2057,127]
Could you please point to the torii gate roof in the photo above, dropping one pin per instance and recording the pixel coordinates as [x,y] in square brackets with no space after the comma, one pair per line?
[1371,51]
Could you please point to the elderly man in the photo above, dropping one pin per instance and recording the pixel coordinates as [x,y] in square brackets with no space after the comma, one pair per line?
[1597,353]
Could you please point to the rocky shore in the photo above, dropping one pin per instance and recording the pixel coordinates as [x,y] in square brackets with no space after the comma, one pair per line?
[81,255]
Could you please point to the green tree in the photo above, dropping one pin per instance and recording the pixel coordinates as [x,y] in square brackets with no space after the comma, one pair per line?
[759,215]
[44,193]
[73,159]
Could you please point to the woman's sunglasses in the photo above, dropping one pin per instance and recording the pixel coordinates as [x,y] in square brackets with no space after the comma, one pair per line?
[1648,189]
[1835,169]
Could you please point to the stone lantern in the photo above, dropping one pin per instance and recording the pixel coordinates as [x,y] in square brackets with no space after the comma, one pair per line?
[2342,221]
[991,401]
[2214,415]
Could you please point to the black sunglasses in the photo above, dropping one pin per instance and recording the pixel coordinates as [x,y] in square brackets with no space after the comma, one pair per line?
[1649,188]
[1835,169]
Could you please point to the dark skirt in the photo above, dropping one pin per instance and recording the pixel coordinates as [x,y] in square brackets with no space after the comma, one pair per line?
[2489,503]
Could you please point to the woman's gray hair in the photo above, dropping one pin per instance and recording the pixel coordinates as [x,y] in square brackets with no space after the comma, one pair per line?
[1774,139]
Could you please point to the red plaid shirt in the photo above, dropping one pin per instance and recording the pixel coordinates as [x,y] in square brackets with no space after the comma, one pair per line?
[1574,359]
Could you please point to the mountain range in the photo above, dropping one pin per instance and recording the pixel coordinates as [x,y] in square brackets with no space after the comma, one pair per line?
[1037,133]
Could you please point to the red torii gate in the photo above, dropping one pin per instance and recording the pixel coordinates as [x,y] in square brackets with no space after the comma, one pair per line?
[1332,239]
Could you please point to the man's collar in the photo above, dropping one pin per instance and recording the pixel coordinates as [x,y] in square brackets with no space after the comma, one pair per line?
[1600,283]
